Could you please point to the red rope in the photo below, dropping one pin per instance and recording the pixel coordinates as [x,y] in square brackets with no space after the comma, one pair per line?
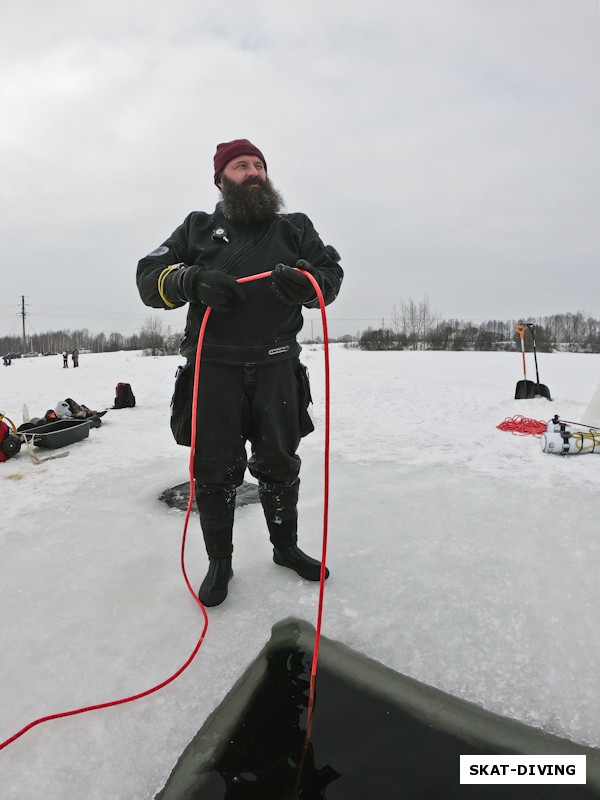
[313,669]
[523,426]
[184,666]
[191,657]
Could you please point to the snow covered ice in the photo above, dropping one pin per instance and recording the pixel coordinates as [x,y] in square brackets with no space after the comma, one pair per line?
[460,555]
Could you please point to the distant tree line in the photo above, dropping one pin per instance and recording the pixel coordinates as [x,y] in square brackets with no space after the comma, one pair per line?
[415,326]
[152,339]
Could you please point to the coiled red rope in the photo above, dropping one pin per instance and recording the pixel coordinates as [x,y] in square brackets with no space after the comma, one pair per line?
[523,426]
[186,664]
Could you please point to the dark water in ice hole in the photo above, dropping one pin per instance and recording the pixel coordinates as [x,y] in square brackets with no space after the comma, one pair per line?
[361,747]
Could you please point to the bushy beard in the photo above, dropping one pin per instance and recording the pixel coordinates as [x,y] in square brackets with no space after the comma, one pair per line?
[254,200]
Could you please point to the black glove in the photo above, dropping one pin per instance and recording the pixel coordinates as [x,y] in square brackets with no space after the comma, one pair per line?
[213,288]
[291,286]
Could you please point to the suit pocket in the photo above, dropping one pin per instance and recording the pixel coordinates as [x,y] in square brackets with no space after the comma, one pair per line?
[181,405]
[305,405]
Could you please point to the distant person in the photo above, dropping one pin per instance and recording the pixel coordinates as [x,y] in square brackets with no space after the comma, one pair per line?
[7,361]
[252,384]
[65,360]
[75,357]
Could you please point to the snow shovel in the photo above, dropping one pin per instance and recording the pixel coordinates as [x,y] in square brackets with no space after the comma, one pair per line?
[540,389]
[525,389]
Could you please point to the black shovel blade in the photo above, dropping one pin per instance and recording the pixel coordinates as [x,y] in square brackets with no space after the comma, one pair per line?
[525,390]
[541,390]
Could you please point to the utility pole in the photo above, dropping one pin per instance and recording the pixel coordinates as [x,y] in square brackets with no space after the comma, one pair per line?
[23,317]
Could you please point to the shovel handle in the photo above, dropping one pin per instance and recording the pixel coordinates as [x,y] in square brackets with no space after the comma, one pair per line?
[521,330]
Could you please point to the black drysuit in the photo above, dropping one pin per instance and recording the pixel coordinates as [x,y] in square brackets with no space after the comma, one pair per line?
[252,385]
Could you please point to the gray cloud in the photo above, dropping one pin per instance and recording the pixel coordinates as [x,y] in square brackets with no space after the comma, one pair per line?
[447,149]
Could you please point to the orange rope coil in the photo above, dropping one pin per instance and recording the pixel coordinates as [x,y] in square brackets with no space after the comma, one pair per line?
[523,426]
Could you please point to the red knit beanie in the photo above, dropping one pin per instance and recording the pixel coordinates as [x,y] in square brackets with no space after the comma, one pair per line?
[226,151]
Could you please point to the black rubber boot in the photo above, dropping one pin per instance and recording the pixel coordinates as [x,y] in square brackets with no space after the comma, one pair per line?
[293,558]
[279,502]
[214,586]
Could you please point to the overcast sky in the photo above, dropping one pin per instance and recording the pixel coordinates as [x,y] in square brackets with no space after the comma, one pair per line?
[447,148]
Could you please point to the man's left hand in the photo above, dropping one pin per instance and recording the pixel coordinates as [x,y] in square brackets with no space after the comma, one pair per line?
[291,286]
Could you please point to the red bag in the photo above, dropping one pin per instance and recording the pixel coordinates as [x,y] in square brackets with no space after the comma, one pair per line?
[10,443]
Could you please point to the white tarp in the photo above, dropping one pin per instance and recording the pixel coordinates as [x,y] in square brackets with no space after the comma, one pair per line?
[591,416]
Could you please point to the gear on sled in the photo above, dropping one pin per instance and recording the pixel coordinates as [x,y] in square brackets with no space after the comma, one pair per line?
[10,442]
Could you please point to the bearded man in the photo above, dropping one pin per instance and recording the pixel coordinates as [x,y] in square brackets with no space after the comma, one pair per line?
[253,387]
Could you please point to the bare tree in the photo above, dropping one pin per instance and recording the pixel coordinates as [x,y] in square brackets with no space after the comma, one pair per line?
[415,320]
[396,318]
[152,336]
[115,341]
[428,319]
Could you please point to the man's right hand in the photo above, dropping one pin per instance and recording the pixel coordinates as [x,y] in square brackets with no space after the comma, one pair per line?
[213,288]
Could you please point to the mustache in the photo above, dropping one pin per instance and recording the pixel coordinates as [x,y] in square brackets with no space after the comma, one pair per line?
[253,180]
